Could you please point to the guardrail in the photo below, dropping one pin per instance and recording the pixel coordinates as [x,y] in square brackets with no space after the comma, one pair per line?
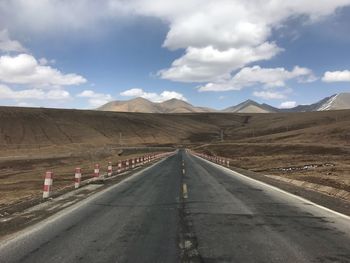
[121,167]
[213,158]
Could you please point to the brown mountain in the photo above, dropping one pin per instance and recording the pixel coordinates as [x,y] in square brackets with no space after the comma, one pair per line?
[336,102]
[250,106]
[146,106]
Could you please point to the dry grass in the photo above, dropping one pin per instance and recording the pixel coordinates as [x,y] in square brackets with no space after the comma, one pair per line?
[35,140]
[321,164]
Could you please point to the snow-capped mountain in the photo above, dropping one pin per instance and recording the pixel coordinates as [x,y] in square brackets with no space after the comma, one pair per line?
[339,101]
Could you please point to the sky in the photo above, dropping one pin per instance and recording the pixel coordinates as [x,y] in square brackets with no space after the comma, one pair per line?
[216,53]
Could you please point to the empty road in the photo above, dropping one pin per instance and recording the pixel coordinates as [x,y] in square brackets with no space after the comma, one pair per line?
[196,212]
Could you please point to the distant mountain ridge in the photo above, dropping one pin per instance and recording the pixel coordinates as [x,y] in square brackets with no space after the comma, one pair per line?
[250,106]
[335,102]
[146,106]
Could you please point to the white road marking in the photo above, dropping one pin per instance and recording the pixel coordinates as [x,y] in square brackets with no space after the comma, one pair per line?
[184,191]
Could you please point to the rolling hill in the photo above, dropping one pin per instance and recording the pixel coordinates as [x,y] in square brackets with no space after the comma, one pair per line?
[146,106]
[26,128]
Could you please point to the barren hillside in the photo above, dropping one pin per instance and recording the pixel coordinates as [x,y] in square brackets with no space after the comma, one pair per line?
[35,140]
[22,128]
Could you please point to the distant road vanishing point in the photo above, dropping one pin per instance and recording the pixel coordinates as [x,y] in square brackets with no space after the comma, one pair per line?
[185,209]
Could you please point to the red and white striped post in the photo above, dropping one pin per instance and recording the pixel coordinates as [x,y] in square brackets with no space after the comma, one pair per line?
[77,177]
[119,169]
[133,163]
[127,165]
[123,166]
[109,169]
[227,163]
[97,171]
[47,184]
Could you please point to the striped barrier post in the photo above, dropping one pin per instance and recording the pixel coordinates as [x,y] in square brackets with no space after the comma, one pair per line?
[97,171]
[119,169]
[47,184]
[77,178]
[133,163]
[124,166]
[127,165]
[109,169]
[227,163]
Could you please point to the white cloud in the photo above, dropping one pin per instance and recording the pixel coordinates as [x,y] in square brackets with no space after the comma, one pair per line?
[26,104]
[33,94]
[95,99]
[208,63]
[155,97]
[8,45]
[337,76]
[25,69]
[218,36]
[58,94]
[268,77]
[45,61]
[222,36]
[288,104]
[268,95]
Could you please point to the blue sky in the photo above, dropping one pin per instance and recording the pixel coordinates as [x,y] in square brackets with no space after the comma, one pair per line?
[210,53]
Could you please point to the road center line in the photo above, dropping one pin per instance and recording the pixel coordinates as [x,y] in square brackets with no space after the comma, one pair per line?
[184,191]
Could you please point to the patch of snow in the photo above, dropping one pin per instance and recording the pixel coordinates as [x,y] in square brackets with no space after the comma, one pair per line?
[327,106]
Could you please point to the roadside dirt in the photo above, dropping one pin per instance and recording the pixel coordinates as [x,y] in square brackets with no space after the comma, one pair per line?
[22,177]
[19,215]
[34,140]
[321,164]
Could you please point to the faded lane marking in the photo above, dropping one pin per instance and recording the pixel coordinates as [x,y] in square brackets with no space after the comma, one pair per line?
[184,191]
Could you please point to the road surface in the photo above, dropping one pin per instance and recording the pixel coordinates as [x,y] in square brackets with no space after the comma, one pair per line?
[199,212]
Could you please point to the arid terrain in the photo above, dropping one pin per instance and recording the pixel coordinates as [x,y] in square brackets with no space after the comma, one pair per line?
[312,146]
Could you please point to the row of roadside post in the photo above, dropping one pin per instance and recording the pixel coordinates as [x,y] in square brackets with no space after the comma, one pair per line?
[213,158]
[119,167]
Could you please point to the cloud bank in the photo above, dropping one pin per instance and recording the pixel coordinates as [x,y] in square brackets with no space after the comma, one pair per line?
[337,76]
[8,45]
[217,36]
[152,96]
[267,77]
[95,99]
[220,41]
[25,69]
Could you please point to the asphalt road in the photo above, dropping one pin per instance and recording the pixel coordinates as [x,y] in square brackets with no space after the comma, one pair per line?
[207,214]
